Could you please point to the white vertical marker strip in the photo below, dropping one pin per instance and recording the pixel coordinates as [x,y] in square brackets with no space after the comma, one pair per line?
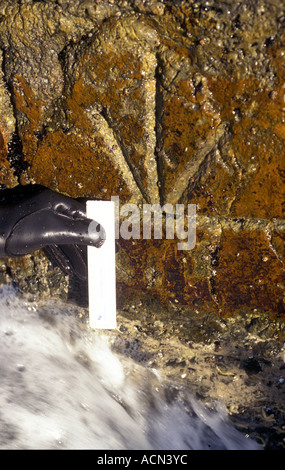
[102,268]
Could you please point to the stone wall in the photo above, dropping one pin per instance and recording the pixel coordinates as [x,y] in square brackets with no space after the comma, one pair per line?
[156,102]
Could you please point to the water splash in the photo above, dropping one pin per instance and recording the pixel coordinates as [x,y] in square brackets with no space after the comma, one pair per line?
[62,387]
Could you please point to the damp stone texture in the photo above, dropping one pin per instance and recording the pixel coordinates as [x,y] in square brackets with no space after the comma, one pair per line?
[155,102]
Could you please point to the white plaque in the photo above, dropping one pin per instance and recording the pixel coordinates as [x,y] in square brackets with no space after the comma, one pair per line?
[102,268]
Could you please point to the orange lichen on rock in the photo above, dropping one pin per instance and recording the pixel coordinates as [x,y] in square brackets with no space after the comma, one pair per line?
[66,163]
[81,98]
[247,178]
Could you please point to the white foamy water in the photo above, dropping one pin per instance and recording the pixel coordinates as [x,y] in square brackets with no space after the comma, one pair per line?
[62,387]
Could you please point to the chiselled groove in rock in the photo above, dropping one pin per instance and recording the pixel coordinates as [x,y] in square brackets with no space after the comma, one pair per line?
[269,236]
[117,157]
[192,167]
[150,120]
[130,168]
[158,151]
[239,224]
[194,180]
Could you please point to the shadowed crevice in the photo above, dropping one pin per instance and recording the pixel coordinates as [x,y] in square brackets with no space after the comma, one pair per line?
[15,149]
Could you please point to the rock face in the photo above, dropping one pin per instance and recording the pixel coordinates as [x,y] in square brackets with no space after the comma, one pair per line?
[157,102]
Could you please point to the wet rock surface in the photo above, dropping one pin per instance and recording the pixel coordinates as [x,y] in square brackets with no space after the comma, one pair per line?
[164,102]
[235,363]
[238,363]
[158,102]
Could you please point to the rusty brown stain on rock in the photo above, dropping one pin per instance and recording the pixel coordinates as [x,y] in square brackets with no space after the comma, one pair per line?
[248,178]
[76,104]
[159,269]
[80,170]
[188,122]
[245,264]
